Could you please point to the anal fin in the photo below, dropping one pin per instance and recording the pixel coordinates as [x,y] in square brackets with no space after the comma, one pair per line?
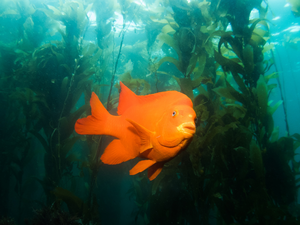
[141,166]
[154,170]
[116,153]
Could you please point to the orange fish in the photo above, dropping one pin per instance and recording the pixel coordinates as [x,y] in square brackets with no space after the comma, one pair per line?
[154,127]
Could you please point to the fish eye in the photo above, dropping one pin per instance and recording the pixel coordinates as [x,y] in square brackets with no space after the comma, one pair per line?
[174,113]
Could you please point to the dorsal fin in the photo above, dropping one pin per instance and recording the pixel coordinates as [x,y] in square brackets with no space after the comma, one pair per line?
[127,99]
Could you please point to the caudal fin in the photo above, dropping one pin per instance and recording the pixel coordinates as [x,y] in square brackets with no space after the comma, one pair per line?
[94,124]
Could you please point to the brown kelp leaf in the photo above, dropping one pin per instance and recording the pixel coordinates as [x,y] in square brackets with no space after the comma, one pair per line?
[139,86]
[186,86]
[240,83]
[176,62]
[74,203]
[224,92]
[225,62]
[238,111]
[230,92]
[235,44]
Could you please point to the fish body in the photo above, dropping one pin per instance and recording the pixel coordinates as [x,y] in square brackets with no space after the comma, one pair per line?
[154,127]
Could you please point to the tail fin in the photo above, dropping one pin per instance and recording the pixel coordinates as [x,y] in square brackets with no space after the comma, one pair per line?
[94,124]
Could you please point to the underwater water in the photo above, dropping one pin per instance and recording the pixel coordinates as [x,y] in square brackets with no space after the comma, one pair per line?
[237,61]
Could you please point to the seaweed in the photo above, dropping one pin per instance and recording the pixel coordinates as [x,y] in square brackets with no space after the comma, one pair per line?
[237,170]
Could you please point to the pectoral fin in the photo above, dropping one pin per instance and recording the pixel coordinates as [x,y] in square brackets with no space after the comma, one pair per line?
[141,166]
[144,134]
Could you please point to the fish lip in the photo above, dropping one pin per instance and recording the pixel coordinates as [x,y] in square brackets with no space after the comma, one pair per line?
[187,128]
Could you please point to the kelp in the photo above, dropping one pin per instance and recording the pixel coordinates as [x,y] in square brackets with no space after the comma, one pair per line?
[232,169]
[228,170]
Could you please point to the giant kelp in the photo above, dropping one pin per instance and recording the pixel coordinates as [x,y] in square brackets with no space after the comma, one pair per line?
[230,171]
[236,170]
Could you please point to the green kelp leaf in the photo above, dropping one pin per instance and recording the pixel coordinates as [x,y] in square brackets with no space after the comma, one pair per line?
[64,87]
[256,158]
[229,63]
[230,92]
[254,22]
[201,65]
[67,145]
[287,147]
[60,57]
[81,87]
[10,12]
[248,59]
[297,141]
[156,183]
[219,33]
[262,96]
[268,48]
[192,65]
[269,124]
[55,10]
[67,123]
[271,87]
[74,203]
[41,139]
[167,39]
[171,60]
[88,8]
[221,81]
[271,76]
[202,90]
[168,29]
[258,39]
[201,112]
[275,134]
[272,109]
[295,7]
[214,130]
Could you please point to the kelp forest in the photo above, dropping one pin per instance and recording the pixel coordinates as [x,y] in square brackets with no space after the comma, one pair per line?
[54,54]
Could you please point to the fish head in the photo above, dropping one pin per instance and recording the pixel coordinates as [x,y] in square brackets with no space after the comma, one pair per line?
[177,126]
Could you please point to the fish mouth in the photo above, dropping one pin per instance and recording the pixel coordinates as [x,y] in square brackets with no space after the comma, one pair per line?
[188,128]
